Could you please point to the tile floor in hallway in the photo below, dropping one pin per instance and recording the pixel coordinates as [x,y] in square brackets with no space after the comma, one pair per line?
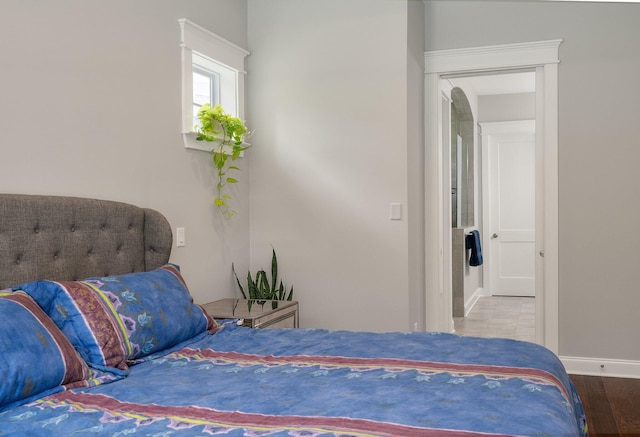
[500,316]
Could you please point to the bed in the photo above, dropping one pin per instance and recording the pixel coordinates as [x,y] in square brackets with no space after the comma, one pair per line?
[100,336]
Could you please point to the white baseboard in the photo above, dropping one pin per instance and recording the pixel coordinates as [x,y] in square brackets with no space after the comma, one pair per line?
[602,367]
[468,305]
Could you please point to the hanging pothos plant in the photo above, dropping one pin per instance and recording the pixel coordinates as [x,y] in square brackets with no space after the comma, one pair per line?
[229,132]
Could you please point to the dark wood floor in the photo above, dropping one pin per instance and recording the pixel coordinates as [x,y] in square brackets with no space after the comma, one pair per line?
[612,405]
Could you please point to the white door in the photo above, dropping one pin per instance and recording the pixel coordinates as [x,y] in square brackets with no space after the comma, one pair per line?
[510,200]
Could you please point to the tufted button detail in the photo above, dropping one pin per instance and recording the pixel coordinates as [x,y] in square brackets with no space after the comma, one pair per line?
[73,228]
[103,228]
[55,255]
[17,260]
[36,231]
[151,250]
[130,226]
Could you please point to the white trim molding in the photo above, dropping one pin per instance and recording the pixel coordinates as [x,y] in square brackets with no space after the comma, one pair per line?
[505,56]
[507,127]
[201,40]
[473,300]
[541,56]
[602,367]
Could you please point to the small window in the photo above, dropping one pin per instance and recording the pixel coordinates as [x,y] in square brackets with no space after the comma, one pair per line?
[212,72]
[206,89]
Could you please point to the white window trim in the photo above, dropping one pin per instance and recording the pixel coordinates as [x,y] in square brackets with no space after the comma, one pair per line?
[195,38]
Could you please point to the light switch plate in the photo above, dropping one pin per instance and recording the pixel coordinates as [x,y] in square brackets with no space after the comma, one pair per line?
[395,211]
[180,241]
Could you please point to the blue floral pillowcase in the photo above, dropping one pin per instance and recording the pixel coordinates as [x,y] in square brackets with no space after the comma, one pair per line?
[116,321]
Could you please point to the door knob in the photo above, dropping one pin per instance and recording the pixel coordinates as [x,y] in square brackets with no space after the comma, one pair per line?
[494,236]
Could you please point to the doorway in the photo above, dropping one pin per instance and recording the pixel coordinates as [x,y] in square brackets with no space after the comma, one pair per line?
[543,58]
[496,161]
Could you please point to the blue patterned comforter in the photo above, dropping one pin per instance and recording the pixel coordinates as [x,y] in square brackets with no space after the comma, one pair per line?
[300,382]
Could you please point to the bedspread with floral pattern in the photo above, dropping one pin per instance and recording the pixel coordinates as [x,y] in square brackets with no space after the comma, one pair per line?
[298,382]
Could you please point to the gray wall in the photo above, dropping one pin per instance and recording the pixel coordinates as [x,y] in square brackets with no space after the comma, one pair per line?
[329,95]
[598,153]
[415,160]
[91,106]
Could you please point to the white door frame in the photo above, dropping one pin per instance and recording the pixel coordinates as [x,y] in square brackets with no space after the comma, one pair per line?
[543,57]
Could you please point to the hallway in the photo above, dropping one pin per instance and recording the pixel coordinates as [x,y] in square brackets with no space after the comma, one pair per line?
[500,316]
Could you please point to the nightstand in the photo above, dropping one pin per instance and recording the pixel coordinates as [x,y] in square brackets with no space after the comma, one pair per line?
[256,313]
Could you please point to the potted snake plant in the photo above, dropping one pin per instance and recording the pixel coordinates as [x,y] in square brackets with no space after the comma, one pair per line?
[260,289]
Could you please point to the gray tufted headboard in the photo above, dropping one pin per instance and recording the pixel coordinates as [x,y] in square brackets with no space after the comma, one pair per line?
[71,238]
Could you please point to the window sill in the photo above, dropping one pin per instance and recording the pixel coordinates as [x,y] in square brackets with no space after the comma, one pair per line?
[190,142]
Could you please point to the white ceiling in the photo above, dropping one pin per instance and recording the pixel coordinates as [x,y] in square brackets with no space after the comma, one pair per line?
[510,83]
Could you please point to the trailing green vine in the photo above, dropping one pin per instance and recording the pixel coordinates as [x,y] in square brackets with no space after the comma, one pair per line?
[229,132]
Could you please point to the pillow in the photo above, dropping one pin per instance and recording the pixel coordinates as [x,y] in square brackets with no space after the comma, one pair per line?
[112,321]
[37,359]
